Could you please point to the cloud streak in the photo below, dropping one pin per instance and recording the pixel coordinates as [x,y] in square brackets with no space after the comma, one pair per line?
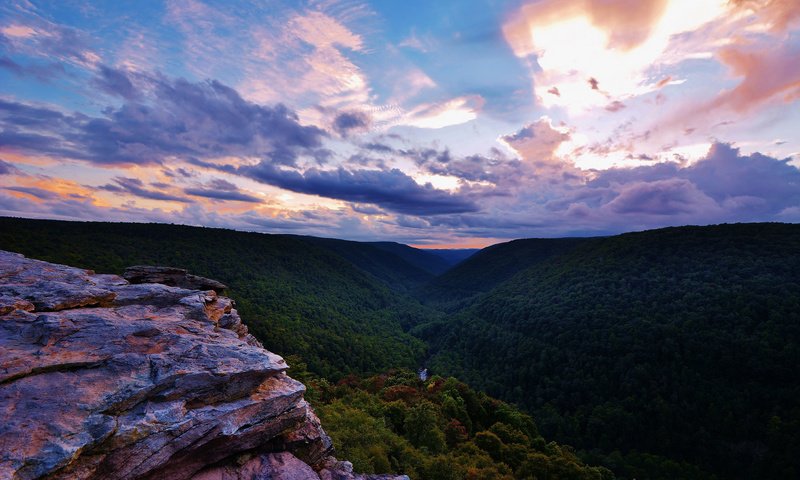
[176,118]
[391,189]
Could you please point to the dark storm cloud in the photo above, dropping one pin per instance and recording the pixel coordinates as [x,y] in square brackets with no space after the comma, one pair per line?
[175,118]
[389,189]
[134,186]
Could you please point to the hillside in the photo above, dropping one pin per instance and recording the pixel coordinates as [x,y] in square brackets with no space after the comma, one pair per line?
[298,296]
[680,344]
[453,256]
[398,266]
[489,267]
[424,259]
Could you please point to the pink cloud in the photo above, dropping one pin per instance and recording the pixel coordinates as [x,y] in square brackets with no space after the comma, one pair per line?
[767,73]
[779,14]
[628,21]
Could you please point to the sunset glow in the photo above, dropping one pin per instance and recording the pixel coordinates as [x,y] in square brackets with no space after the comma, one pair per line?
[430,123]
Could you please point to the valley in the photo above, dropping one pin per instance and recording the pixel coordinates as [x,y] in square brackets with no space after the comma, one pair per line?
[668,353]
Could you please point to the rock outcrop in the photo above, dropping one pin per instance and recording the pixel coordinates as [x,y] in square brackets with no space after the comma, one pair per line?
[174,277]
[104,379]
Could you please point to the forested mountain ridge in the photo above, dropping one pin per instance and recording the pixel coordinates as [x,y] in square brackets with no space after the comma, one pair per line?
[424,259]
[679,344]
[453,256]
[491,266]
[400,267]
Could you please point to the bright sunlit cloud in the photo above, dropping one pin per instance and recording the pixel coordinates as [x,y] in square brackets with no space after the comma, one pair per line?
[584,64]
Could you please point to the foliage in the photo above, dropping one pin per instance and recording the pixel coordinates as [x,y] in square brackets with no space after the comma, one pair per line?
[422,435]
[663,354]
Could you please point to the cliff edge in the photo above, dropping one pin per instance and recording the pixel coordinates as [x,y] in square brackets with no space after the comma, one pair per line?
[101,378]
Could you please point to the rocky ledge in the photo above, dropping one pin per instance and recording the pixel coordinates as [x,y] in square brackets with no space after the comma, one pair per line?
[101,378]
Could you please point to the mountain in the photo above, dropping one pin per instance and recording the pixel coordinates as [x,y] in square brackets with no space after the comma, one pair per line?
[424,259]
[400,267]
[665,353]
[491,266]
[152,381]
[453,256]
[332,302]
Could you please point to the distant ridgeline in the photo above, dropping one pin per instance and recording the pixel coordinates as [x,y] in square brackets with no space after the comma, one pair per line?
[670,353]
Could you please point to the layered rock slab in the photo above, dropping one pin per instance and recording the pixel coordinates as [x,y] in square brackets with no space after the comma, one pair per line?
[103,379]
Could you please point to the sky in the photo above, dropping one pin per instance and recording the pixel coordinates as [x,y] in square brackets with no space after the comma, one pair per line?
[438,124]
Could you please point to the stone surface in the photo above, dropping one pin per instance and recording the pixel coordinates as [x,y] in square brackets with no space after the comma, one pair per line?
[175,277]
[103,379]
[273,466]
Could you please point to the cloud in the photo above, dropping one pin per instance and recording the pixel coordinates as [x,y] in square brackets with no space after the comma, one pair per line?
[177,118]
[18,31]
[44,73]
[135,187]
[422,43]
[220,189]
[303,58]
[767,72]
[629,21]
[779,15]
[389,189]
[116,82]
[614,44]
[537,142]
[347,121]
[438,115]
[732,180]
[39,193]
[662,197]
[43,38]
[723,186]
[7,168]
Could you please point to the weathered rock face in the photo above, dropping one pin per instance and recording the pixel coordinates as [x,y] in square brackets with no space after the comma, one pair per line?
[175,277]
[103,379]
